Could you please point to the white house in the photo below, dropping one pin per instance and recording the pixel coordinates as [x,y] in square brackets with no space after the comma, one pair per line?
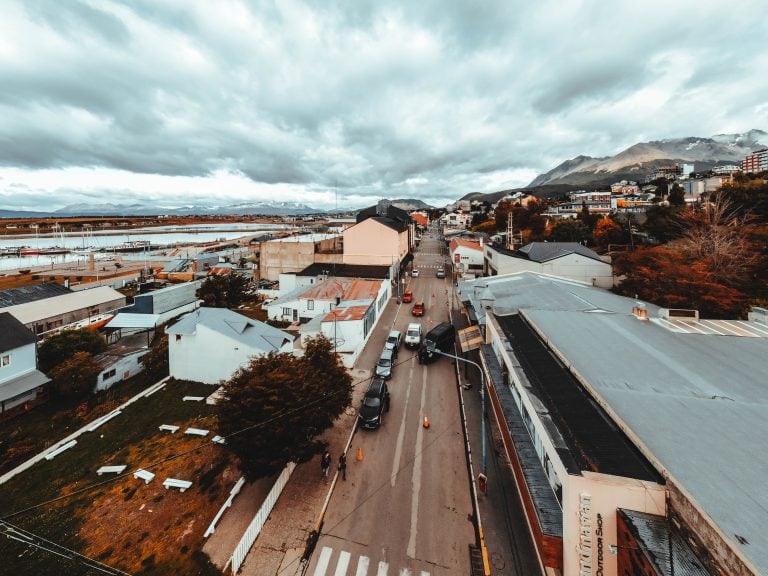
[456,220]
[119,363]
[306,302]
[210,344]
[564,259]
[467,257]
[22,385]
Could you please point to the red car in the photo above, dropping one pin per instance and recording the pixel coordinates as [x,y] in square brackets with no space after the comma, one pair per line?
[408,296]
[418,309]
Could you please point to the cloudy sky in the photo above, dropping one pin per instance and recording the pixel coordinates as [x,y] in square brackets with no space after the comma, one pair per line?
[181,102]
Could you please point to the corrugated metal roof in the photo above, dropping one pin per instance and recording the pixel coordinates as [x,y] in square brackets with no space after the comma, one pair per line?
[696,402]
[41,309]
[666,550]
[127,320]
[25,294]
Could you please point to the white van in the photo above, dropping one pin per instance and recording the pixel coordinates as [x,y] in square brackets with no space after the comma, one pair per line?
[413,335]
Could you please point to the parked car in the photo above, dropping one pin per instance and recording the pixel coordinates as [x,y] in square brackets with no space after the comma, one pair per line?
[414,273]
[394,340]
[441,273]
[374,404]
[418,309]
[413,335]
[441,337]
[385,364]
[408,296]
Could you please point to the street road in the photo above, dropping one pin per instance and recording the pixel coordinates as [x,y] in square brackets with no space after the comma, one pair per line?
[405,509]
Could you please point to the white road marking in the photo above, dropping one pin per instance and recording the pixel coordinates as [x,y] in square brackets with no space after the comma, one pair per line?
[362,566]
[405,572]
[341,567]
[401,432]
[416,481]
[322,563]
[383,568]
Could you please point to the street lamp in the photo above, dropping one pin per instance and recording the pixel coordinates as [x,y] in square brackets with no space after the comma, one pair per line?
[431,347]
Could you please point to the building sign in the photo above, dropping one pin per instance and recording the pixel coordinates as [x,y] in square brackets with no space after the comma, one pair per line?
[599,534]
[584,547]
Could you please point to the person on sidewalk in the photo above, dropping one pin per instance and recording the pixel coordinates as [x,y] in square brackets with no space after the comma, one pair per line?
[343,465]
[325,465]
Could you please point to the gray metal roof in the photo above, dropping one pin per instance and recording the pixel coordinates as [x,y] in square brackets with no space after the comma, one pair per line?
[545,251]
[41,309]
[696,402]
[23,294]
[128,320]
[232,325]
[22,384]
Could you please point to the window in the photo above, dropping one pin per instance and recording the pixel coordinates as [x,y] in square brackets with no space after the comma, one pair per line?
[178,337]
[5,360]
[287,312]
[310,304]
[108,375]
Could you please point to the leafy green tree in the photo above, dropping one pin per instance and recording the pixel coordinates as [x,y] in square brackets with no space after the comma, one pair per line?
[223,291]
[570,230]
[62,346]
[274,409]
[662,223]
[677,196]
[75,377]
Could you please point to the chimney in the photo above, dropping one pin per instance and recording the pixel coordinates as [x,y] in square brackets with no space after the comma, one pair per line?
[639,311]
[91,263]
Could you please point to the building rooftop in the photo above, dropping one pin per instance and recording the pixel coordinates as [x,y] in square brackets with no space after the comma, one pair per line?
[464,243]
[344,288]
[693,403]
[25,294]
[69,302]
[353,310]
[667,551]
[13,334]
[306,238]
[345,270]
[232,325]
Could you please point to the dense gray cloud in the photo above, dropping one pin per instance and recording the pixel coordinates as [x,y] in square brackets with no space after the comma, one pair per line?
[182,101]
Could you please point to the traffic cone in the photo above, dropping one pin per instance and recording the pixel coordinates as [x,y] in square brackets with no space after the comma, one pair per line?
[360,454]
[426,421]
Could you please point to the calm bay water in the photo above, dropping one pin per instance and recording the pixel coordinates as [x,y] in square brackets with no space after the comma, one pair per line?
[162,235]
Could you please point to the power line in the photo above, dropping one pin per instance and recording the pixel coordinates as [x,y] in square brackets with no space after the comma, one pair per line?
[13,532]
[278,416]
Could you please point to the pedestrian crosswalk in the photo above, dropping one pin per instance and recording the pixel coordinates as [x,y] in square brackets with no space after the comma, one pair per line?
[361,568]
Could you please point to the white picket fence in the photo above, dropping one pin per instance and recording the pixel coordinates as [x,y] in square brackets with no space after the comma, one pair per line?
[241,551]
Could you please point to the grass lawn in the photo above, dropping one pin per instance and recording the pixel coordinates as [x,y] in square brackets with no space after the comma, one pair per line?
[28,434]
[136,527]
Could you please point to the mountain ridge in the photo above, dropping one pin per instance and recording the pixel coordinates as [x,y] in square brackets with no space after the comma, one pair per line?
[642,158]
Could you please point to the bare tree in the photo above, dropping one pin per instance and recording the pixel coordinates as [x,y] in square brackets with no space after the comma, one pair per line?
[718,236]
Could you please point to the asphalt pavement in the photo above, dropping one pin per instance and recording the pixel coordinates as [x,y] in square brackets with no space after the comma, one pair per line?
[405,507]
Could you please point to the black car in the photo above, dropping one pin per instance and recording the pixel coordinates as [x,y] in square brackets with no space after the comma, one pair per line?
[441,337]
[374,404]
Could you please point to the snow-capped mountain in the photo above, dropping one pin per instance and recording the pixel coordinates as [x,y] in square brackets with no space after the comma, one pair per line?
[640,160]
[261,208]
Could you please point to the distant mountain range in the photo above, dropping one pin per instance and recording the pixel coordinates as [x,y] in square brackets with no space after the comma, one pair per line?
[640,160]
[636,163]
[258,208]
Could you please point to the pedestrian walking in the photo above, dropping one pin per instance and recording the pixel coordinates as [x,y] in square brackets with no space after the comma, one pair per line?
[325,465]
[343,465]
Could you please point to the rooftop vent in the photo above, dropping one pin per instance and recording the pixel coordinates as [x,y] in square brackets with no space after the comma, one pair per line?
[679,314]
